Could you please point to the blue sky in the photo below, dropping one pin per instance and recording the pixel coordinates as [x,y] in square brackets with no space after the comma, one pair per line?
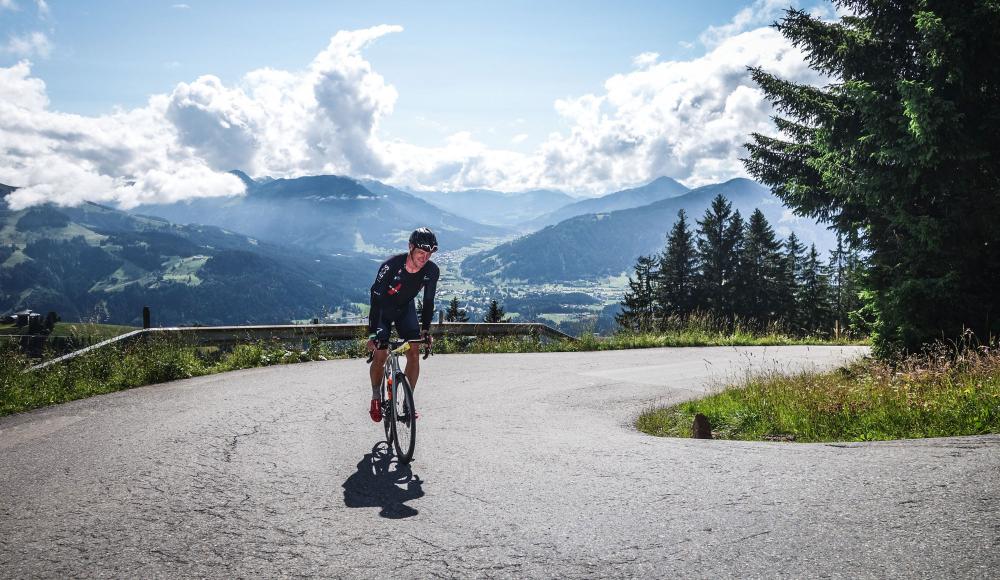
[458,65]
[510,95]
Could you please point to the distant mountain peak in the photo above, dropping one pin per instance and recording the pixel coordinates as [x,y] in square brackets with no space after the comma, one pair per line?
[660,188]
[311,187]
[741,180]
[246,179]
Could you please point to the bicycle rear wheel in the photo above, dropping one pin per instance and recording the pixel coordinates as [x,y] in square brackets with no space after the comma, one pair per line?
[386,414]
[404,424]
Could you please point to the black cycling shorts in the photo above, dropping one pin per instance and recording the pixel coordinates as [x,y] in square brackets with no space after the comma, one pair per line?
[406,323]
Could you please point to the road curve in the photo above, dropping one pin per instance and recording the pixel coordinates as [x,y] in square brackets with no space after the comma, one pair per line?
[526,465]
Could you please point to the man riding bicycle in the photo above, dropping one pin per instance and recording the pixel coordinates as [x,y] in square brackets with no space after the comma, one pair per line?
[397,283]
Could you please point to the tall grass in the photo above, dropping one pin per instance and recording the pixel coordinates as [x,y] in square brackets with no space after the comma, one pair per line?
[942,392]
[709,329]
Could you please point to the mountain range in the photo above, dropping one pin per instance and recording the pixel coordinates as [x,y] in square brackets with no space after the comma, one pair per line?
[294,248]
[654,191]
[326,214]
[94,262]
[597,245]
[496,208]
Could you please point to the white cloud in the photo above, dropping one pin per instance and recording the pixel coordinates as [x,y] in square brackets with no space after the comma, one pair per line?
[217,123]
[645,59]
[43,8]
[319,120]
[350,99]
[685,119]
[8,5]
[180,6]
[760,13]
[127,157]
[519,138]
[33,44]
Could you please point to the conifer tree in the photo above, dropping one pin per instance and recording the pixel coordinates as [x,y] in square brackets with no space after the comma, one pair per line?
[839,289]
[719,232]
[760,269]
[495,313]
[845,271]
[639,304]
[454,313]
[901,150]
[814,298]
[790,278]
[676,280]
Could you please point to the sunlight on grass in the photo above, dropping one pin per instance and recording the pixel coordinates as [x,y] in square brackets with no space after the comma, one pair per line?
[936,394]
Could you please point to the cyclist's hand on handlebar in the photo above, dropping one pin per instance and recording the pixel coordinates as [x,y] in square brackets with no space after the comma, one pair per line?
[428,342]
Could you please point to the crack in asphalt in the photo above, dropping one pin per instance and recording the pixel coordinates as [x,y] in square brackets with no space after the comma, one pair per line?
[471,497]
[745,538]
[233,440]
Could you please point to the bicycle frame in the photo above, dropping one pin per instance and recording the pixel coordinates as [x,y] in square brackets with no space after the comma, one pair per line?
[391,367]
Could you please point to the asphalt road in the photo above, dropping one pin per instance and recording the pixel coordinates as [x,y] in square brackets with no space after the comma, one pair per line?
[526,466]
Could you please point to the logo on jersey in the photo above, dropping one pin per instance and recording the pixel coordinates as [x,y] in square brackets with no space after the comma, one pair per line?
[381,273]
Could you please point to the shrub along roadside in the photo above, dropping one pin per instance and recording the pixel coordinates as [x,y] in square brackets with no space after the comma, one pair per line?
[158,360]
[935,394]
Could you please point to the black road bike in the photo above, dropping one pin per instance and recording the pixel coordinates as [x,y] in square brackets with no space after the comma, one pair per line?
[399,418]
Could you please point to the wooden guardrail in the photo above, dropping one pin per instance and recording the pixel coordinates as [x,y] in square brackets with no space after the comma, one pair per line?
[228,335]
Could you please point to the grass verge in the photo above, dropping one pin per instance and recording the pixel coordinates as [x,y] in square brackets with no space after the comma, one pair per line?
[936,394]
[146,362]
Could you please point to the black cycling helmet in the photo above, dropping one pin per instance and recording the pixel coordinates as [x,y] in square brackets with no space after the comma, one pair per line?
[424,239]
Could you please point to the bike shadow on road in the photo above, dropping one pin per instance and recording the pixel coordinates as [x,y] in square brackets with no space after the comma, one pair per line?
[383,482]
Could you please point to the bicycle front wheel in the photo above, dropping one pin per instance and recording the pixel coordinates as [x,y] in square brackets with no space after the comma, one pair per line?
[404,424]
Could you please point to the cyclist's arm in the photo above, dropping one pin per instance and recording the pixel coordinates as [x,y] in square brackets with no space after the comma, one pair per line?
[377,292]
[430,287]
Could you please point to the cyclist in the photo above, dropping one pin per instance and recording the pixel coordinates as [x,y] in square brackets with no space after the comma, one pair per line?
[397,283]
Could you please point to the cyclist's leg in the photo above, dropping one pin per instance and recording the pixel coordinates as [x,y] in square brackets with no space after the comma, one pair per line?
[381,353]
[409,329]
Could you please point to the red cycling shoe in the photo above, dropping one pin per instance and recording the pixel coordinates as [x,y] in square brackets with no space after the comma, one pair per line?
[375,411]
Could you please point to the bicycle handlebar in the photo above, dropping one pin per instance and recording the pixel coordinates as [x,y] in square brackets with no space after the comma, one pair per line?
[395,345]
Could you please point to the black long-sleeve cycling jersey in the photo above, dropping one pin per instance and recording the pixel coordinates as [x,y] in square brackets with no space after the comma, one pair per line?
[394,288]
